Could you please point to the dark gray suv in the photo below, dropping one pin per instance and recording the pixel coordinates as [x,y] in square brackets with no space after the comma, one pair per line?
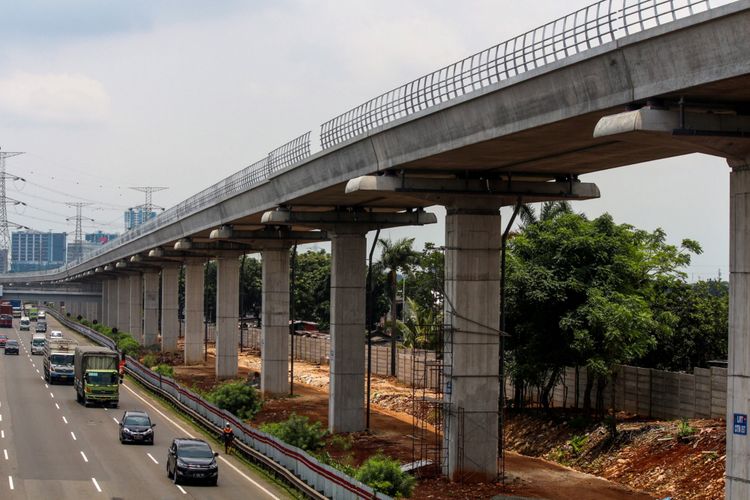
[136,427]
[192,459]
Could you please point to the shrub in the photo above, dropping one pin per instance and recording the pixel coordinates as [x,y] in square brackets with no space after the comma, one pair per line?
[385,475]
[127,344]
[684,429]
[342,442]
[577,443]
[150,360]
[298,431]
[237,398]
[164,370]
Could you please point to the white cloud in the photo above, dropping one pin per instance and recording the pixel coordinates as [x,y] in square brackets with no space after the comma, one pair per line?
[54,99]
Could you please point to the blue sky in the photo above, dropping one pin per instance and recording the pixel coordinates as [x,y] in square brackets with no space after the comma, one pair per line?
[105,94]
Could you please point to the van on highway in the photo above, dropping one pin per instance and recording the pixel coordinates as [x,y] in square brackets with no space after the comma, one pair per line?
[25,323]
[37,343]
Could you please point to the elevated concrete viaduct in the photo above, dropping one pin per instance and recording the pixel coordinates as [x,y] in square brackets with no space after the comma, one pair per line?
[512,123]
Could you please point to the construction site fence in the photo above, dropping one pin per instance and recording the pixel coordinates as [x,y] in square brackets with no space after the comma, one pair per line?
[306,473]
[643,391]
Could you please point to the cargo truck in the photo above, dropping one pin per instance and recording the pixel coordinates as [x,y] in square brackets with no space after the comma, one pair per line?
[59,354]
[6,308]
[16,308]
[33,313]
[95,375]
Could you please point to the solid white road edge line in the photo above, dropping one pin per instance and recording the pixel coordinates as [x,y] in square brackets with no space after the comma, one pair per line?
[190,436]
[230,464]
[182,429]
[152,458]
[93,479]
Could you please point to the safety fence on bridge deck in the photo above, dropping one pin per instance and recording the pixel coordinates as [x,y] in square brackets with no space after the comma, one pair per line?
[592,26]
[297,467]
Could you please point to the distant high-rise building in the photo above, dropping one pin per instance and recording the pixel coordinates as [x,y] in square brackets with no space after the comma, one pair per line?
[35,251]
[3,260]
[136,216]
[99,237]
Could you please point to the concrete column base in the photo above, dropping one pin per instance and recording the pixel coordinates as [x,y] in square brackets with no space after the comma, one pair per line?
[194,328]
[346,407]
[274,375]
[150,307]
[170,323]
[472,315]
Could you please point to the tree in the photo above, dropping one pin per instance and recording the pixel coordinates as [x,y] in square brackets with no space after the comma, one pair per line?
[312,291]
[584,293]
[251,285]
[396,256]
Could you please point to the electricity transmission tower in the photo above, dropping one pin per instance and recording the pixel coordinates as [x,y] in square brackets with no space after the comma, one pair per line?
[4,201]
[145,209]
[149,206]
[78,239]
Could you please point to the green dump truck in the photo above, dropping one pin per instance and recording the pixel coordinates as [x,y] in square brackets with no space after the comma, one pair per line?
[96,379]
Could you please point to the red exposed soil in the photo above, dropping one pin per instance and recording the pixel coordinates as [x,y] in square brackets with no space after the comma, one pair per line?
[634,465]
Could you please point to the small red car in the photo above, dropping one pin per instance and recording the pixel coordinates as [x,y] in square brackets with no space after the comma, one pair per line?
[6,321]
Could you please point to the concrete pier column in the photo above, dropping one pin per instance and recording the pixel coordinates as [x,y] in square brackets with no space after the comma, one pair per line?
[123,303]
[274,374]
[194,281]
[150,307]
[227,312]
[97,311]
[170,326]
[135,323]
[104,303]
[346,407]
[472,315]
[738,370]
[112,301]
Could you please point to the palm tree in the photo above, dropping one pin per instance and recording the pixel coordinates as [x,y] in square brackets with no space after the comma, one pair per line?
[548,211]
[419,326]
[396,256]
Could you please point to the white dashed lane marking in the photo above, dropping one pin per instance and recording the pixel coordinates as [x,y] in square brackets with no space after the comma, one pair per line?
[152,458]
[10,482]
[73,435]
[85,459]
[93,479]
[65,420]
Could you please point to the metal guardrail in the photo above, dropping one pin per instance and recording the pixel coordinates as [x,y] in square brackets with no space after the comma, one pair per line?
[597,24]
[298,468]
[592,26]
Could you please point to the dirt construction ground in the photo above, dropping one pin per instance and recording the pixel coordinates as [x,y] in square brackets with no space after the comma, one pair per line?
[649,462]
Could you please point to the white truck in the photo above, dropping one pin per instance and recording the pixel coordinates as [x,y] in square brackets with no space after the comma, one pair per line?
[59,356]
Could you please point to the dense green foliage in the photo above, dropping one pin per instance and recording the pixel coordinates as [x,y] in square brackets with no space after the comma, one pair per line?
[312,290]
[164,370]
[587,293]
[236,397]
[298,431]
[384,475]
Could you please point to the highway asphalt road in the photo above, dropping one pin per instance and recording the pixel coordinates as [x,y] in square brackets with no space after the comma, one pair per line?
[53,447]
